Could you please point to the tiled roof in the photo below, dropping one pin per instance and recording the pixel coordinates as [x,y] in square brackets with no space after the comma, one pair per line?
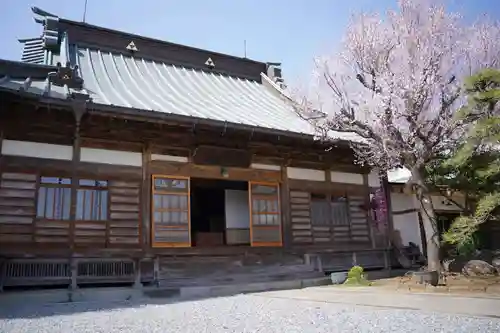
[126,81]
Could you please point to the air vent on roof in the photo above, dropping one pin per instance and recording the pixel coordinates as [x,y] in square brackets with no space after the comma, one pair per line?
[210,63]
[131,47]
[33,50]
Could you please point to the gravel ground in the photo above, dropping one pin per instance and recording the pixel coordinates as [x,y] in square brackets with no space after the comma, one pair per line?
[242,313]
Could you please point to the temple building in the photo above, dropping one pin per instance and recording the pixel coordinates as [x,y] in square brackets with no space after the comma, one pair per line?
[129,159]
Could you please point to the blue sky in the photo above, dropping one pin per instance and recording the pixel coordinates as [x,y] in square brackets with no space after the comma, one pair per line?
[291,32]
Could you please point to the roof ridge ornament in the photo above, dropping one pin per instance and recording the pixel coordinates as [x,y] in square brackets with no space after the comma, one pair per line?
[274,73]
[50,35]
[66,76]
[131,47]
[210,63]
[38,11]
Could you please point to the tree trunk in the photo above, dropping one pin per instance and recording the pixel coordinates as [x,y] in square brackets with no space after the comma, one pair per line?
[429,221]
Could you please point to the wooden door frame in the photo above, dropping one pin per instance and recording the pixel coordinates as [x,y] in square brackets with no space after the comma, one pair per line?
[280,215]
[152,193]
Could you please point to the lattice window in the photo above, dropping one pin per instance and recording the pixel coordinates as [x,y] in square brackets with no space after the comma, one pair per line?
[92,200]
[54,198]
[265,214]
[320,210]
[171,210]
[265,205]
[340,210]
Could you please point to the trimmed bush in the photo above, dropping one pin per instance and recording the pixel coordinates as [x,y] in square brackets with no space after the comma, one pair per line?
[357,277]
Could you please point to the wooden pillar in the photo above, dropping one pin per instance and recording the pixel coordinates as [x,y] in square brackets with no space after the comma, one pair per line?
[390,221]
[79,108]
[388,204]
[74,274]
[387,259]
[285,208]
[1,143]
[369,216]
[3,272]
[328,180]
[156,271]
[137,273]
[146,196]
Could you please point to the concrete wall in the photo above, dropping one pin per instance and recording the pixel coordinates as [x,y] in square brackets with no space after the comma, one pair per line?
[405,218]
[405,214]
[108,156]
[36,149]
[346,177]
[306,174]
[63,152]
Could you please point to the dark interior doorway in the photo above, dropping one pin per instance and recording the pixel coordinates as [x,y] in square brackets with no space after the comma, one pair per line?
[208,209]
[444,221]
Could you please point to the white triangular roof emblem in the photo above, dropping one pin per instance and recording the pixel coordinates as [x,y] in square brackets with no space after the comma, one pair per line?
[210,63]
[131,46]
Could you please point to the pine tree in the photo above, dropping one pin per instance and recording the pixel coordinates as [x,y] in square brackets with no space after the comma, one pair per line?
[475,166]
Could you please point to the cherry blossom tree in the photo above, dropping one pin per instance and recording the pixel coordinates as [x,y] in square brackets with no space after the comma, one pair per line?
[397,84]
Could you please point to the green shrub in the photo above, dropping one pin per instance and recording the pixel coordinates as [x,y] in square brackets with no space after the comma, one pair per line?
[468,246]
[357,277]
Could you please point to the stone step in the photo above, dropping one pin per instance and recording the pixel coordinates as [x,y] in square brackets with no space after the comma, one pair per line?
[234,260]
[215,290]
[196,271]
[237,278]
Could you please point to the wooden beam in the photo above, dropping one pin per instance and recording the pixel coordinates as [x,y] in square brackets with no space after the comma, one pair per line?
[326,188]
[205,171]
[110,144]
[63,168]
[285,208]
[406,211]
[146,196]
[54,126]
[78,111]
[1,156]
[388,204]
[369,216]
[328,181]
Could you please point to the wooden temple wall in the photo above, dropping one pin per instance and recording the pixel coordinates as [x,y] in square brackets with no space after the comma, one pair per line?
[327,208]
[36,205]
[333,208]
[50,188]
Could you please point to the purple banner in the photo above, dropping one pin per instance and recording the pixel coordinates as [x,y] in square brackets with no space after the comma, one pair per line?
[379,204]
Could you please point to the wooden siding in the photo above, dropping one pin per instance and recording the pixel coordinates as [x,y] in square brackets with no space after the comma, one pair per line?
[300,212]
[124,222]
[306,231]
[17,207]
[359,228]
[20,223]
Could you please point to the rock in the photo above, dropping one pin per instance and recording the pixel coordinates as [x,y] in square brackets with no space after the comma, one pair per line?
[496,263]
[478,268]
[456,265]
